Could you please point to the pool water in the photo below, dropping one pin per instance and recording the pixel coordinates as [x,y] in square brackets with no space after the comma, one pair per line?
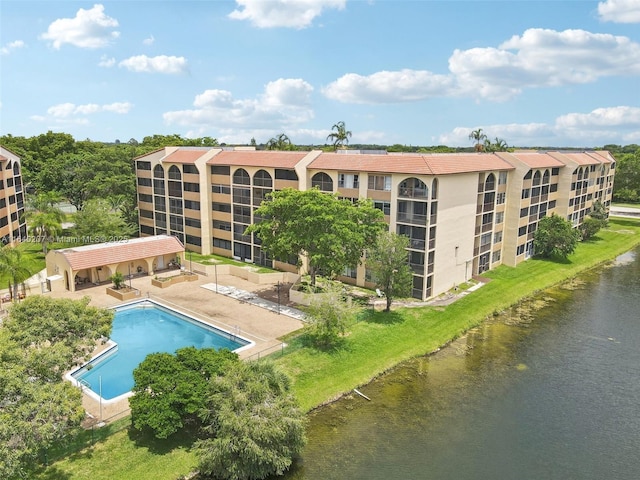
[139,330]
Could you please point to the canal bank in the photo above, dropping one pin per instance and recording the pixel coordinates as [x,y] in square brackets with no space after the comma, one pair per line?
[547,389]
[385,340]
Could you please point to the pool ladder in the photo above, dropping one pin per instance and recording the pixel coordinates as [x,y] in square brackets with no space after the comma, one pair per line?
[84,383]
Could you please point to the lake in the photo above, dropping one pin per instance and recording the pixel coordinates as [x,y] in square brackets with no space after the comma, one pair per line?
[550,390]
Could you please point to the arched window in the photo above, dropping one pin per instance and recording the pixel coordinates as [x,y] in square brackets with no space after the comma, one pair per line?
[158,171]
[241,177]
[16,169]
[536,178]
[546,177]
[174,173]
[434,189]
[262,179]
[322,181]
[490,183]
[413,188]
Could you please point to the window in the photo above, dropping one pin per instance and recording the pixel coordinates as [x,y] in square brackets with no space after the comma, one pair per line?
[487,218]
[220,170]
[175,206]
[282,174]
[158,186]
[161,220]
[501,198]
[146,229]
[485,239]
[350,272]
[242,195]
[502,178]
[496,256]
[191,205]
[143,182]
[379,182]
[146,213]
[524,212]
[241,177]
[175,223]
[522,231]
[528,175]
[413,188]
[192,222]
[220,207]
[499,217]
[190,169]
[175,188]
[322,181]
[224,244]
[143,197]
[158,172]
[174,173]
[220,225]
[497,238]
[490,183]
[525,193]
[520,250]
[348,180]
[140,165]
[192,240]
[262,179]
[384,206]
[555,171]
[159,203]
[216,188]
[191,187]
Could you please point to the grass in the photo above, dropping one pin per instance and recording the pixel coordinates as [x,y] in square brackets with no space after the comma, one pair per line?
[217,259]
[375,344]
[384,340]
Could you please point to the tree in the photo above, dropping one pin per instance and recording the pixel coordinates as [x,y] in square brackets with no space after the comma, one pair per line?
[340,137]
[97,221]
[597,219]
[498,146]
[255,425]
[13,266]
[37,408]
[329,316]
[280,142]
[555,237]
[627,185]
[388,262]
[170,391]
[44,217]
[478,136]
[330,233]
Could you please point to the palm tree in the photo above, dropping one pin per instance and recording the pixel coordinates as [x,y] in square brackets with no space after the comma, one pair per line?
[340,137]
[12,265]
[478,136]
[281,142]
[44,217]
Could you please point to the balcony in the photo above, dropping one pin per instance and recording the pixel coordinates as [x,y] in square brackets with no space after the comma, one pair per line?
[412,218]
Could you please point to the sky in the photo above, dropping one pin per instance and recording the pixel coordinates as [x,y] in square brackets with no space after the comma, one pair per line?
[532,73]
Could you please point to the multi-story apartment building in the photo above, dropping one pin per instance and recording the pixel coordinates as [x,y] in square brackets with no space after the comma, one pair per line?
[463,213]
[12,223]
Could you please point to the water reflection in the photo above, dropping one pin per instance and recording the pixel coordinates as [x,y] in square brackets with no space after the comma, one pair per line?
[550,394]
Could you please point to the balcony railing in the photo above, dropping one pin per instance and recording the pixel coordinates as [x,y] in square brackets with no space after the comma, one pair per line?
[413,218]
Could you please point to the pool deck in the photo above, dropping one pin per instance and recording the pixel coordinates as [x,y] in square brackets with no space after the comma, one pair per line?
[245,314]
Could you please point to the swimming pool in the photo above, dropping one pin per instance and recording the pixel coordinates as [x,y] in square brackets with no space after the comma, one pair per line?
[142,328]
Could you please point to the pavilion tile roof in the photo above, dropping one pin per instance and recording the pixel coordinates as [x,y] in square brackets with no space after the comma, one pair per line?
[586,158]
[428,164]
[185,155]
[100,254]
[258,158]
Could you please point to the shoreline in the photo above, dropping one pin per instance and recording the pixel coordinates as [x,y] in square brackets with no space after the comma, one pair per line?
[375,368]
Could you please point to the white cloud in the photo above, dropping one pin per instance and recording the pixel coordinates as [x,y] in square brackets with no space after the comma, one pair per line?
[283,13]
[537,58]
[543,58]
[149,41]
[598,127]
[285,103]
[65,110]
[88,29]
[389,87]
[619,11]
[11,47]
[106,61]
[158,64]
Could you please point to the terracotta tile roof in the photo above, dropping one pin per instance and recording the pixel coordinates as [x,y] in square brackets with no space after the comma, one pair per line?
[585,158]
[431,164]
[186,155]
[258,158]
[99,254]
[534,159]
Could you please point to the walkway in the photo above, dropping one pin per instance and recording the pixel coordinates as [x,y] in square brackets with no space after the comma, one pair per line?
[253,299]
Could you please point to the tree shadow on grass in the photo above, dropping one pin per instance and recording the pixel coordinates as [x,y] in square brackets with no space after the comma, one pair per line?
[52,473]
[184,438]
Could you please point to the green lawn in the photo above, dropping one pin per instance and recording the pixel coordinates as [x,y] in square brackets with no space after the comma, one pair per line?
[376,343]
